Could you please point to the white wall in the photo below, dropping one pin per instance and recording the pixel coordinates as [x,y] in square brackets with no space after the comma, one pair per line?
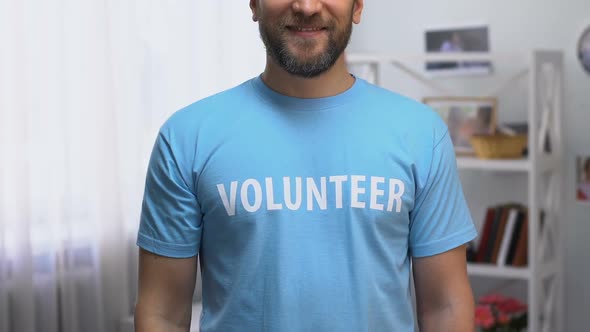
[395,26]
[226,35]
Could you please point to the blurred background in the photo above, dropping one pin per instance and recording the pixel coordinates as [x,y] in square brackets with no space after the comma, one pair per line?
[85,85]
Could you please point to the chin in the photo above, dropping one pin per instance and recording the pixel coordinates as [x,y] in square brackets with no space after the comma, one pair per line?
[308,56]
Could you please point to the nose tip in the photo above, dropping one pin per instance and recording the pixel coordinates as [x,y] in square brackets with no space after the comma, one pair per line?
[307,7]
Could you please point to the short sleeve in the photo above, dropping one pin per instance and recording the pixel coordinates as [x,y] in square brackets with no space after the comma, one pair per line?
[170,223]
[440,220]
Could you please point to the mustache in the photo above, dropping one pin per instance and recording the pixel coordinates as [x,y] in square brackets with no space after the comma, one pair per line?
[298,19]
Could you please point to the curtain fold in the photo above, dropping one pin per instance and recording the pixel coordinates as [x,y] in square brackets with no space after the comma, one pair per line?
[84,87]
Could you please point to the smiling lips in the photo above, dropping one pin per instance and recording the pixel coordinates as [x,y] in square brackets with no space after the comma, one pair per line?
[303,31]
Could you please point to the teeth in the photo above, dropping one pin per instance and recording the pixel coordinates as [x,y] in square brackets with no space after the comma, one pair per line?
[307,29]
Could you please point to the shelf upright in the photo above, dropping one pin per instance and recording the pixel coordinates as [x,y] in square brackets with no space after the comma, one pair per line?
[544,273]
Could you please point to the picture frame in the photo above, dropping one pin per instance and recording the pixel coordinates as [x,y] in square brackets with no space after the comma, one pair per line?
[465,117]
[461,39]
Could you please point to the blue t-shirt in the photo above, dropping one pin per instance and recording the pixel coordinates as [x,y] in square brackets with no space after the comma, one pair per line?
[305,212]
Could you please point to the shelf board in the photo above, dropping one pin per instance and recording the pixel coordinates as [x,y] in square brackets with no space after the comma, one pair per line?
[490,270]
[544,164]
[508,165]
[465,56]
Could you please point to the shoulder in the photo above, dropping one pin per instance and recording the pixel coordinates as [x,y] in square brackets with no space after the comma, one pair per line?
[419,131]
[210,109]
[408,115]
[393,101]
[200,125]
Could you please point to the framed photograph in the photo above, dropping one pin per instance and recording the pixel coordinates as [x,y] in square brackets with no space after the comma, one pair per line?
[458,39]
[584,49]
[583,179]
[465,117]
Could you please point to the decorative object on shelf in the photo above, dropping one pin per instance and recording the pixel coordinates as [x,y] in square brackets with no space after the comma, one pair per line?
[513,128]
[584,49]
[497,313]
[583,179]
[465,117]
[522,128]
[499,146]
[457,39]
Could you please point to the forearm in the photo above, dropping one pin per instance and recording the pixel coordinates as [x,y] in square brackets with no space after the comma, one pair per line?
[444,299]
[455,316]
[165,289]
[146,321]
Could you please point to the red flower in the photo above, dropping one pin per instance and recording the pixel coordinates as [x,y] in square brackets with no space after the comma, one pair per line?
[496,312]
[484,316]
[492,299]
[503,318]
[511,306]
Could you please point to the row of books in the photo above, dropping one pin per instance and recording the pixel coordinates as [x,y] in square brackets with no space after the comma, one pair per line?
[503,237]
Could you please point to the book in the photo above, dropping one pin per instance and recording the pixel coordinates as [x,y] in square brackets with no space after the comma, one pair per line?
[492,238]
[521,254]
[515,236]
[507,237]
[470,252]
[500,234]
[485,236]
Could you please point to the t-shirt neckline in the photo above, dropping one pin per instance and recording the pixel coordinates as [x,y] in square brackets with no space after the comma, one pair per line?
[306,104]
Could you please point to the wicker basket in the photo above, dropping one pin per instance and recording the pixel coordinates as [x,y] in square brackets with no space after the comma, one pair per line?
[499,146]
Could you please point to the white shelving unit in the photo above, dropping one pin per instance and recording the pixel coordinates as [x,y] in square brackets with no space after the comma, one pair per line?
[543,70]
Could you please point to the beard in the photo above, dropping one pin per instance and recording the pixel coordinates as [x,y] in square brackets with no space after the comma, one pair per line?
[274,36]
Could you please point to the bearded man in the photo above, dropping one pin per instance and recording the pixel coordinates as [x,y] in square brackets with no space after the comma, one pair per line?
[308,194]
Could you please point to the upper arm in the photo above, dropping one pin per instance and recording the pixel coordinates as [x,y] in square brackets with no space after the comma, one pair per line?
[169,237]
[440,219]
[171,221]
[443,289]
[166,287]
[440,225]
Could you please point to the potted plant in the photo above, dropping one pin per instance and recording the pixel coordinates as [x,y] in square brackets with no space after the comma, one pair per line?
[497,313]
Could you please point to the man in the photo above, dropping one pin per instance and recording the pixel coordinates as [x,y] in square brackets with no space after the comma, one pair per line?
[306,192]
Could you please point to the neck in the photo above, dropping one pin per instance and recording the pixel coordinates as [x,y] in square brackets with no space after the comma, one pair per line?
[330,83]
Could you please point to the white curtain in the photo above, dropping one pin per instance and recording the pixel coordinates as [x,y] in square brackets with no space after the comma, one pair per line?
[84,87]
